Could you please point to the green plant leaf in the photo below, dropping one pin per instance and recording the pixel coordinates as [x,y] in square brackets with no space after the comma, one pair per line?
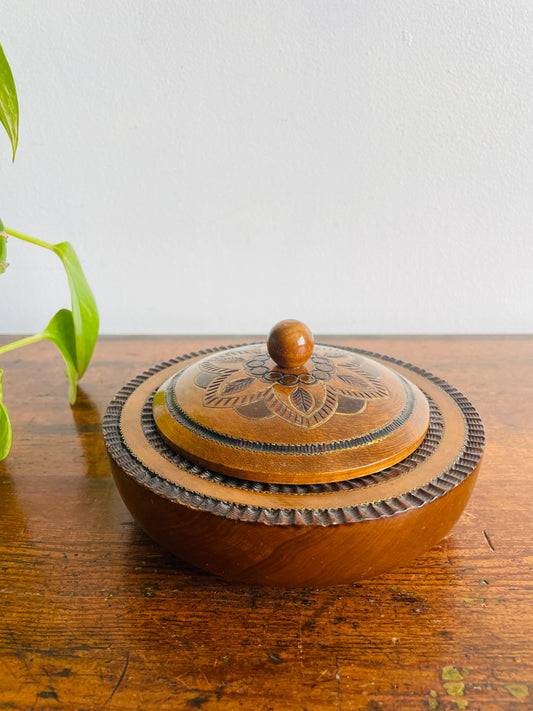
[3,247]
[85,321]
[9,105]
[60,331]
[84,310]
[6,432]
[3,250]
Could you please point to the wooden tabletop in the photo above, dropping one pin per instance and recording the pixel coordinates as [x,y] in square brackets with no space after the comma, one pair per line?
[93,615]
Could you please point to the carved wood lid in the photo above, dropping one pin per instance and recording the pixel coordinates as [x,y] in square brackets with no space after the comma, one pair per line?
[287,412]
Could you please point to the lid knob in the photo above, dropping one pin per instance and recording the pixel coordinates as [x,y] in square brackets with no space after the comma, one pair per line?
[290,344]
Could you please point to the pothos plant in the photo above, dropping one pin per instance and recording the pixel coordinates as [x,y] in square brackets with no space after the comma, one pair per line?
[74,331]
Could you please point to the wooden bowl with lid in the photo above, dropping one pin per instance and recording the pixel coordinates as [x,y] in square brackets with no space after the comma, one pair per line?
[290,463]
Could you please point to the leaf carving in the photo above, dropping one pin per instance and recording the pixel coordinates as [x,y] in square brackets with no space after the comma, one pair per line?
[237,386]
[354,381]
[302,400]
[362,386]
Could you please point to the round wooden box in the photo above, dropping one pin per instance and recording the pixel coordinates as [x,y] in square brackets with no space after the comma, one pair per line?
[289,463]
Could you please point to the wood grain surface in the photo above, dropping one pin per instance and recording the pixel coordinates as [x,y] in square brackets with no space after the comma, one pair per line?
[93,615]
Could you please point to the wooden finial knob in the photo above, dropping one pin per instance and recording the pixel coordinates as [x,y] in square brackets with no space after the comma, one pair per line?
[290,344]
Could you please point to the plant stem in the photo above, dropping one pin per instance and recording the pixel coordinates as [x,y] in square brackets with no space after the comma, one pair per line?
[32,240]
[22,342]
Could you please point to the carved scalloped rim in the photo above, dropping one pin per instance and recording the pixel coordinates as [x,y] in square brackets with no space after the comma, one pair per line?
[424,450]
[467,460]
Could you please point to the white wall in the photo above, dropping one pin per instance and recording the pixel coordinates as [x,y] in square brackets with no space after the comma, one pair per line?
[219,165]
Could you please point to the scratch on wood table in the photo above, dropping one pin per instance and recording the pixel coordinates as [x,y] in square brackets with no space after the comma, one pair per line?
[119,681]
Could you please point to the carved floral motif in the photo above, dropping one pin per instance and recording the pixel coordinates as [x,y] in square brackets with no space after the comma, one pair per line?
[248,381]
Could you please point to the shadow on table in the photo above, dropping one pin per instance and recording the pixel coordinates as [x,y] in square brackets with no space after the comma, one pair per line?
[181,611]
[13,522]
[88,421]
